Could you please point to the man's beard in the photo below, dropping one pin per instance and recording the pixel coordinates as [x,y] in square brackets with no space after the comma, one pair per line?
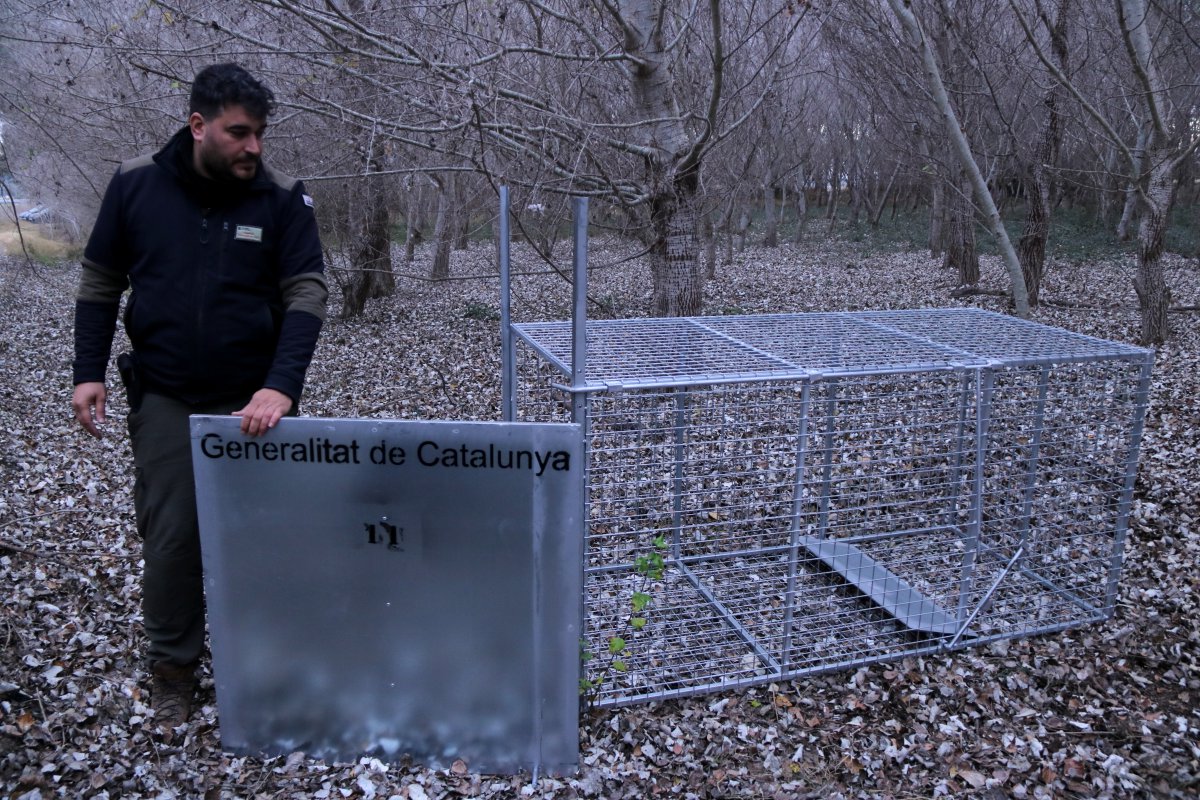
[221,170]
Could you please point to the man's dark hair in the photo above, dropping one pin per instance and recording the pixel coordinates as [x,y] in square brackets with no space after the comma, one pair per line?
[222,85]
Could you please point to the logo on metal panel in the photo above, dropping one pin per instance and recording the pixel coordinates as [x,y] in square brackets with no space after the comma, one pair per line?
[394,532]
[385,533]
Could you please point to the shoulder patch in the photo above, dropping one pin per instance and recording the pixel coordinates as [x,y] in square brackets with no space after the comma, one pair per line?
[136,163]
[308,201]
[285,182]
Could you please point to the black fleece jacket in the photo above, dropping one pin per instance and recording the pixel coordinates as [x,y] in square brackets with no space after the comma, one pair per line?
[227,278]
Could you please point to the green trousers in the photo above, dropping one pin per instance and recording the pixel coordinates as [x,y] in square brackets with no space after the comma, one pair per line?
[164,499]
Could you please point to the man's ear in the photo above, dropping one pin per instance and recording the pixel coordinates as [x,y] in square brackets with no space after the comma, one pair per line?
[196,123]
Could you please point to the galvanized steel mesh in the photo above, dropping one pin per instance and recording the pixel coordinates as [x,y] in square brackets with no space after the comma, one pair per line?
[830,490]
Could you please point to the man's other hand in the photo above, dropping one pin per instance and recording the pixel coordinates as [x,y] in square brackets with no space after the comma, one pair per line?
[88,403]
[264,411]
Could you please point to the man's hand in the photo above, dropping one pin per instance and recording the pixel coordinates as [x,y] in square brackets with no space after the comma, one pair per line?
[264,411]
[88,402]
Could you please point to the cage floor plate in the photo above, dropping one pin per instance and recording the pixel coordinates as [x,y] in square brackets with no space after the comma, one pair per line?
[883,587]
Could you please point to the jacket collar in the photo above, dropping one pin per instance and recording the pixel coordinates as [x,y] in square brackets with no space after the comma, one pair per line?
[176,158]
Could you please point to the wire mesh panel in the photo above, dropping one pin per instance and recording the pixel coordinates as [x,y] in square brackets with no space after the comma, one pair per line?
[776,495]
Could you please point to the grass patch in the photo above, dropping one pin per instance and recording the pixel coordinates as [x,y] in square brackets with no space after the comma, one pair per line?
[479,230]
[1075,233]
[907,230]
[41,247]
[481,312]
[1183,236]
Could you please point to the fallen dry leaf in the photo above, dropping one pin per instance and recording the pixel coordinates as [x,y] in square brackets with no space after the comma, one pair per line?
[1107,711]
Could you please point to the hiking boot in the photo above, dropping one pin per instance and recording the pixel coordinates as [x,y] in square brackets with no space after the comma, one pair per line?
[171,690]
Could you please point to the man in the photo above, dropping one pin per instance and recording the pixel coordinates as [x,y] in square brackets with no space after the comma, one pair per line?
[228,298]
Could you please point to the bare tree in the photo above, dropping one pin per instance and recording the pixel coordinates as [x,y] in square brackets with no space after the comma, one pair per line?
[1042,186]
[77,112]
[961,255]
[1167,137]
[442,227]
[883,83]
[679,120]
[983,196]
[525,92]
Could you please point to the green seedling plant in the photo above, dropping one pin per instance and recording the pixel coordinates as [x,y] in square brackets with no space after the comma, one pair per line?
[481,312]
[615,659]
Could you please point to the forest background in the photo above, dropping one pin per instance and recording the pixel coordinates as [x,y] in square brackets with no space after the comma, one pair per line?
[693,125]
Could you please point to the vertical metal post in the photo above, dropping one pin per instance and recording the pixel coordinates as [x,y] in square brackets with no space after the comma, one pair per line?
[579,395]
[579,312]
[956,463]
[1138,423]
[1035,447]
[508,356]
[983,407]
[789,599]
[827,461]
[681,399]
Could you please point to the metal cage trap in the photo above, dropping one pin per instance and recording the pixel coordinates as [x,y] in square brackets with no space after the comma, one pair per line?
[769,496]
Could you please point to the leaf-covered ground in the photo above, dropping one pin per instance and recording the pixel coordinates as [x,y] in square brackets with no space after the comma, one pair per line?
[1111,710]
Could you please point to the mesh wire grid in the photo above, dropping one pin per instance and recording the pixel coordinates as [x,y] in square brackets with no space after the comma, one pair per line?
[832,490]
[697,350]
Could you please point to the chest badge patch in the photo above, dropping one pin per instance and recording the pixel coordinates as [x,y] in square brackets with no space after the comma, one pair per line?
[248,233]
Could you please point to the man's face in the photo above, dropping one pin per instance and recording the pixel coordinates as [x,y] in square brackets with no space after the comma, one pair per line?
[228,146]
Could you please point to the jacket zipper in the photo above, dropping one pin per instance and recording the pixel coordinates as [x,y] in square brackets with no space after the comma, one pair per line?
[203,267]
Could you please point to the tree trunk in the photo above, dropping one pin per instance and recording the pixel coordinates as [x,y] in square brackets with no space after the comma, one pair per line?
[723,230]
[834,196]
[674,261]
[801,211]
[1154,296]
[858,193]
[937,216]
[835,190]
[1124,227]
[967,160]
[372,258]
[771,235]
[882,203]
[461,209]
[442,233]
[1040,196]
[462,228]
[1107,192]
[673,157]
[1031,249]
[961,253]
[937,202]
[710,250]
[371,235]
[412,234]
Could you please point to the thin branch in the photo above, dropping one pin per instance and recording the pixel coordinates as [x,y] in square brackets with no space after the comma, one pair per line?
[1067,84]
[17,220]
[1141,58]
